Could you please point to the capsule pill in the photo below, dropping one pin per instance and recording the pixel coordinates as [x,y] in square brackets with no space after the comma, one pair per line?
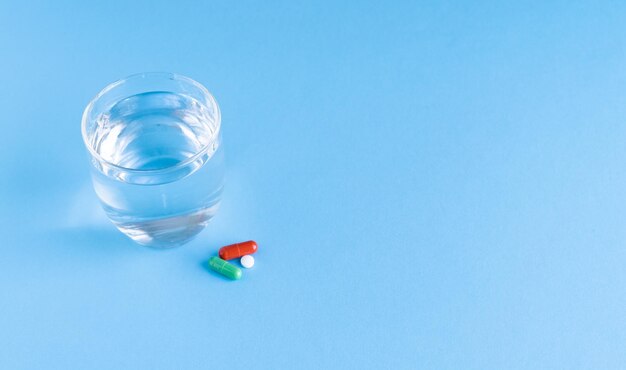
[219,265]
[237,250]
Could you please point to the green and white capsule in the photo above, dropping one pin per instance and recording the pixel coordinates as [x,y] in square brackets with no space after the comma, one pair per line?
[219,265]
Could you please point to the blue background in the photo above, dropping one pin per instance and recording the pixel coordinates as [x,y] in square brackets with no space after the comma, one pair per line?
[432,185]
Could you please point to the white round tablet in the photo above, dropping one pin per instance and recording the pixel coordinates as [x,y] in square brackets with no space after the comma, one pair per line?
[247,261]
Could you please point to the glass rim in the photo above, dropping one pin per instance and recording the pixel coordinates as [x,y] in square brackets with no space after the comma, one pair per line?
[172,76]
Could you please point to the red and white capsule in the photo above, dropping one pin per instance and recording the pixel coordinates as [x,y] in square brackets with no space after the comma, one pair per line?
[237,250]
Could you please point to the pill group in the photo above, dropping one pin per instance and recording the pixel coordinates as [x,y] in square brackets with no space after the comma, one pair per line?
[238,250]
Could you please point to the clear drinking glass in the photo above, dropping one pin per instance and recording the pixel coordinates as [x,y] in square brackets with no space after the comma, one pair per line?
[157,163]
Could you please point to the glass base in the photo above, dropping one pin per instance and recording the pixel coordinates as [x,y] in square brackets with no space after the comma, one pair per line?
[170,232]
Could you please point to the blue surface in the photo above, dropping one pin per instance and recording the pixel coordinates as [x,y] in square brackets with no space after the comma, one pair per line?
[431,186]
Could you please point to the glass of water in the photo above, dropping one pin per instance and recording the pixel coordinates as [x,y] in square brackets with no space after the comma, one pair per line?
[157,162]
